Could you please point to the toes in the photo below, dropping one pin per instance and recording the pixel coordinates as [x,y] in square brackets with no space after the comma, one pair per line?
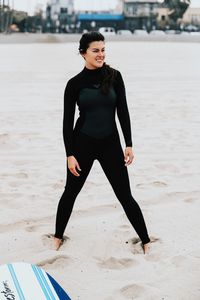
[57,244]
[146,248]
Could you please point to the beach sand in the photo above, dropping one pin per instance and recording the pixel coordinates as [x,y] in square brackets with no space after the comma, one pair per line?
[102,258]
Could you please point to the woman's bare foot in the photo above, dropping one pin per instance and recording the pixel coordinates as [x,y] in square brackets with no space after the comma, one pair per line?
[146,248]
[57,243]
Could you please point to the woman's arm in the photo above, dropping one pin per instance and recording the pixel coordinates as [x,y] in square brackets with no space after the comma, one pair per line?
[68,117]
[122,110]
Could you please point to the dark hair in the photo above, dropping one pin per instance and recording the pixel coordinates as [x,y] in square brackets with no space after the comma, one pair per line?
[88,38]
[108,72]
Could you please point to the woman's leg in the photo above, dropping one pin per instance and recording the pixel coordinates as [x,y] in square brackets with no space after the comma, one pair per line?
[84,156]
[111,158]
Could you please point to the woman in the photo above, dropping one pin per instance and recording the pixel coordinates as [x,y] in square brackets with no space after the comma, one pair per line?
[99,91]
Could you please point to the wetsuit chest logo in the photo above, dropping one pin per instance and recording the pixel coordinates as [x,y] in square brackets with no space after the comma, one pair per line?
[96,85]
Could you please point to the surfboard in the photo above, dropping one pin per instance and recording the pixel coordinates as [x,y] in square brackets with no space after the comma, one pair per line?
[24,281]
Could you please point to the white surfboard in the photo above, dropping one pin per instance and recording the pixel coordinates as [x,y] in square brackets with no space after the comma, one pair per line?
[23,281]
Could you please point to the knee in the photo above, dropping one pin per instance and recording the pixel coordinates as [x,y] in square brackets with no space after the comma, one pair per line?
[68,195]
[125,197]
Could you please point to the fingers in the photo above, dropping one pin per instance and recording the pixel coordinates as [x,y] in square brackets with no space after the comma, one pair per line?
[72,167]
[78,167]
[128,158]
[74,172]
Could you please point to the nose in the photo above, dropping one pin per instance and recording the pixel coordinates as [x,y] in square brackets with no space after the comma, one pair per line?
[102,54]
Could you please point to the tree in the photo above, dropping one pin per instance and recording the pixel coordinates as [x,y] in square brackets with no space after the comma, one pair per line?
[177,8]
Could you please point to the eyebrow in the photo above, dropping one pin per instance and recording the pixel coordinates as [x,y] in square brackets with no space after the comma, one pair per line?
[98,48]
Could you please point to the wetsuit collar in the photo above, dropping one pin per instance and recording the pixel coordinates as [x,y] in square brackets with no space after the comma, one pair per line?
[94,71]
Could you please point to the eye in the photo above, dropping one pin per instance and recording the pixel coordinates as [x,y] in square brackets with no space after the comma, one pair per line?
[97,50]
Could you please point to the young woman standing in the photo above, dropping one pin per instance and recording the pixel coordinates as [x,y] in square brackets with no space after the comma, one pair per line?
[99,92]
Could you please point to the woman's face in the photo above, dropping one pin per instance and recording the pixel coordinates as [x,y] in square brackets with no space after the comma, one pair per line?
[95,55]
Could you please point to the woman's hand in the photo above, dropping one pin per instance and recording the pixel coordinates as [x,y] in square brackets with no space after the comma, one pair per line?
[72,165]
[128,155]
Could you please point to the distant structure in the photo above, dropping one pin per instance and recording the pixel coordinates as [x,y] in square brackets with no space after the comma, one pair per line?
[100,14]
[127,14]
[171,13]
[60,16]
[75,16]
[9,17]
[176,8]
[192,16]
[65,16]
[154,14]
[140,14]
[114,6]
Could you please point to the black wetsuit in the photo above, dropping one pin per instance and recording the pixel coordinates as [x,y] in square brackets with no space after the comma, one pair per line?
[95,136]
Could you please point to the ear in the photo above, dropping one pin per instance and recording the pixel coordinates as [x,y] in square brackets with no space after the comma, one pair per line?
[83,56]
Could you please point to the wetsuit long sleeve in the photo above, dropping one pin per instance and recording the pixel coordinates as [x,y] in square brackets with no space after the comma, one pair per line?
[96,109]
[122,110]
[68,118]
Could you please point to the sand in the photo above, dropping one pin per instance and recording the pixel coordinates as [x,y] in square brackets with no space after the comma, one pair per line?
[28,38]
[102,257]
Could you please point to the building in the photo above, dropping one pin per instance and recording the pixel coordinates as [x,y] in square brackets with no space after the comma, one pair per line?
[163,19]
[65,16]
[60,16]
[192,16]
[114,6]
[93,21]
[100,13]
[78,15]
[140,14]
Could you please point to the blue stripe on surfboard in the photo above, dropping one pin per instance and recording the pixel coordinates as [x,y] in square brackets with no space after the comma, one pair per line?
[16,282]
[41,283]
[59,290]
[45,283]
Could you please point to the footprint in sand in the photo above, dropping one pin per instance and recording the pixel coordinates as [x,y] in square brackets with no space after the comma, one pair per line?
[55,262]
[133,290]
[31,228]
[17,225]
[124,226]
[16,175]
[159,183]
[136,244]
[140,185]
[154,183]
[190,200]
[32,225]
[47,240]
[116,263]
[21,175]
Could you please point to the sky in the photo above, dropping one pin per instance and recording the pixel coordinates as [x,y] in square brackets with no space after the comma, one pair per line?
[29,5]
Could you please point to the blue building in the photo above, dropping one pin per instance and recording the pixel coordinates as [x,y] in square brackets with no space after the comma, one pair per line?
[93,21]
